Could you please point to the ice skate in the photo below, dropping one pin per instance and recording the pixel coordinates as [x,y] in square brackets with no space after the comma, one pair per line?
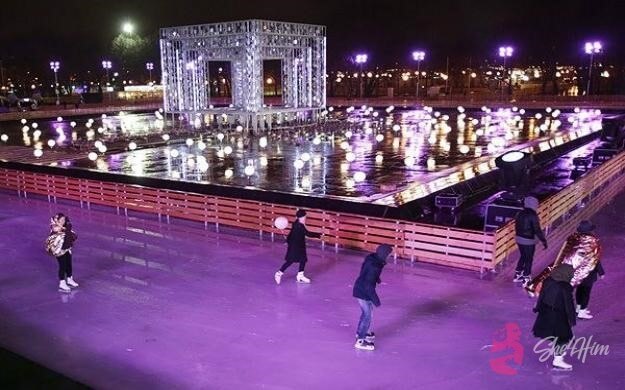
[71,282]
[518,277]
[63,287]
[560,364]
[584,314]
[364,345]
[278,277]
[301,278]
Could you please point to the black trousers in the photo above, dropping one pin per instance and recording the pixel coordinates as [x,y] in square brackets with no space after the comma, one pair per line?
[582,295]
[287,264]
[524,265]
[65,266]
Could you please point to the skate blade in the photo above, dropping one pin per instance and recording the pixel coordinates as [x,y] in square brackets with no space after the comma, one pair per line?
[560,369]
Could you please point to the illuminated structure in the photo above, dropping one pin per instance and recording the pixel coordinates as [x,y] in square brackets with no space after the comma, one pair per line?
[186,52]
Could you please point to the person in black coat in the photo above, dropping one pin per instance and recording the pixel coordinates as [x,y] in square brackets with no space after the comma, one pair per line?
[296,249]
[364,292]
[556,312]
[527,230]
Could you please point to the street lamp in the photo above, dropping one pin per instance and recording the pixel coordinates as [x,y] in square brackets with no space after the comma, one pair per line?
[361,59]
[418,56]
[591,48]
[55,65]
[128,28]
[505,52]
[107,66]
[150,66]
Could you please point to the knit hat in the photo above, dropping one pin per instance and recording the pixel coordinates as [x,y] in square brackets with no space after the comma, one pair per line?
[585,227]
[300,213]
[530,203]
[383,251]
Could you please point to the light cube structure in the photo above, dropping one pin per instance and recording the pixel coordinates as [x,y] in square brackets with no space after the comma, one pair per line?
[187,50]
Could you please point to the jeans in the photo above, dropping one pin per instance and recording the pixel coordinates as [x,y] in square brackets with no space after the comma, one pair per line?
[524,265]
[65,266]
[366,308]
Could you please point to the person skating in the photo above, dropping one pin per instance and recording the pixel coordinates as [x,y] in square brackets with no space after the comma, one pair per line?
[556,312]
[582,293]
[59,244]
[527,228]
[364,292]
[296,250]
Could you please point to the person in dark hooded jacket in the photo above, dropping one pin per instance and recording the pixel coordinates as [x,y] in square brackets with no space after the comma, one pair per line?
[296,249]
[364,291]
[556,312]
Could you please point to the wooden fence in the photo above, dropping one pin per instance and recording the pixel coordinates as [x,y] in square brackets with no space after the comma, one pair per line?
[449,246]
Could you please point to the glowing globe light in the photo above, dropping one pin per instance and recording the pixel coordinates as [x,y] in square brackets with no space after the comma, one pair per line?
[220,137]
[478,151]
[175,175]
[281,223]
[409,161]
[305,157]
[431,163]
[316,141]
[538,116]
[103,116]
[344,145]
[132,145]
[522,111]
[174,153]
[350,156]
[23,121]
[249,170]
[201,145]
[379,137]
[379,158]
[396,127]
[165,137]
[349,183]
[239,128]
[348,134]
[51,143]
[59,119]
[92,156]
[460,109]
[298,164]
[38,153]
[464,149]
[359,177]
[263,161]
[189,142]
[228,150]
[262,142]
[72,124]
[4,138]
[97,143]
[102,149]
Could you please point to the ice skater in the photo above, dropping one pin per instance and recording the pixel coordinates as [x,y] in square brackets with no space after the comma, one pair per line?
[364,292]
[59,244]
[556,313]
[296,250]
[582,293]
[527,228]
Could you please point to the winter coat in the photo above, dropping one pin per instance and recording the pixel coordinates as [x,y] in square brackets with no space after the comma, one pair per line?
[296,240]
[364,287]
[527,225]
[556,311]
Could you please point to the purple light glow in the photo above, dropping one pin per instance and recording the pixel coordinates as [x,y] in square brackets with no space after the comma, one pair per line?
[593,47]
[361,58]
[106,64]
[418,55]
[505,51]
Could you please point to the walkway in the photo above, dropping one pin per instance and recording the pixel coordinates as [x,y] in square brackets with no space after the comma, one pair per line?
[175,306]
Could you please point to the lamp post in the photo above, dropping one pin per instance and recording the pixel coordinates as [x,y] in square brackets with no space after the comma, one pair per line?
[361,59]
[55,65]
[149,66]
[418,56]
[106,65]
[505,52]
[591,48]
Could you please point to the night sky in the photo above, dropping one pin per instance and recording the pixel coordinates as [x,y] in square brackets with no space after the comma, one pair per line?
[79,33]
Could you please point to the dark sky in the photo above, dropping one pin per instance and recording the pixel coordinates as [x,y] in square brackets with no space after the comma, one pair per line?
[79,33]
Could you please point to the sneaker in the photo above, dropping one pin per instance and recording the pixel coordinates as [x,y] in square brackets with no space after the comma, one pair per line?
[278,277]
[71,282]
[518,277]
[584,314]
[301,278]
[364,345]
[63,287]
